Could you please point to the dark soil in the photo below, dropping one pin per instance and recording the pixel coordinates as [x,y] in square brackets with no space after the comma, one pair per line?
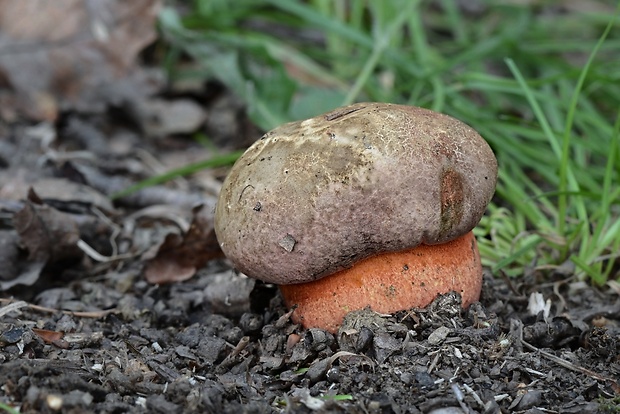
[179,348]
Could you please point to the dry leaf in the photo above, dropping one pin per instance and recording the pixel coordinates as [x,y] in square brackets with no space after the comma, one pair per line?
[9,253]
[67,192]
[45,233]
[71,54]
[48,234]
[179,257]
[48,336]
[14,268]
[52,337]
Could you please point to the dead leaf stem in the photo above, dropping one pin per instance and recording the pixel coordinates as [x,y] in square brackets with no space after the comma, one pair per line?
[12,306]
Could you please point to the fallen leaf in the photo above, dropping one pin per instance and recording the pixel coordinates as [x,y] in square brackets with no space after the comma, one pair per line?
[9,253]
[179,257]
[47,236]
[63,191]
[48,336]
[46,233]
[72,54]
[14,268]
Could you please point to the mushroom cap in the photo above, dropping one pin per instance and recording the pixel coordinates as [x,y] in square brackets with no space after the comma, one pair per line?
[313,197]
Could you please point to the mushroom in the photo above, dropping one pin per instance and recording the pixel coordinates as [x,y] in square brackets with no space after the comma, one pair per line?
[371,204]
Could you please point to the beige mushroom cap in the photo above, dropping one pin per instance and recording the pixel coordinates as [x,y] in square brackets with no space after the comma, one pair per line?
[313,197]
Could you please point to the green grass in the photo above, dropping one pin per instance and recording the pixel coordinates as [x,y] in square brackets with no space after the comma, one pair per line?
[542,86]
[8,409]
[217,161]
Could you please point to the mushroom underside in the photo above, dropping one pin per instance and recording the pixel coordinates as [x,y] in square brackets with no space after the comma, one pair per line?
[389,282]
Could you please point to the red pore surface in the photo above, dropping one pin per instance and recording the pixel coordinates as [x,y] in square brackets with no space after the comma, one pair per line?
[389,282]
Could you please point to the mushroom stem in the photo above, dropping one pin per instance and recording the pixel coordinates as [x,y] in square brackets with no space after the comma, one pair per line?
[389,282]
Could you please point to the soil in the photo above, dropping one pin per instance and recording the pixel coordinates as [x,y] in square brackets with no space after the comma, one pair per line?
[169,349]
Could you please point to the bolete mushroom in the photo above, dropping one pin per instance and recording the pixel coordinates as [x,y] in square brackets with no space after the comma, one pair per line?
[371,204]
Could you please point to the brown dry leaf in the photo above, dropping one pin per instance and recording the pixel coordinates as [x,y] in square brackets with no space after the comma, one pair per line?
[71,54]
[48,336]
[48,234]
[178,258]
[52,337]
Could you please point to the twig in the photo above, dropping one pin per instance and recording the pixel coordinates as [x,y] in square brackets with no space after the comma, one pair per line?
[567,364]
[460,398]
[475,395]
[12,307]
[17,305]
[95,255]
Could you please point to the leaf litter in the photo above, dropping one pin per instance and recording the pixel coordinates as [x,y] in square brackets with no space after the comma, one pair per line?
[126,305]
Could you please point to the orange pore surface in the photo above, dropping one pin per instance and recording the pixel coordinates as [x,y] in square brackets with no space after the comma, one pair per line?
[389,282]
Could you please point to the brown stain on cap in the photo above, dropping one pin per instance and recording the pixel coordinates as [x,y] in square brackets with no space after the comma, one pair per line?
[452,198]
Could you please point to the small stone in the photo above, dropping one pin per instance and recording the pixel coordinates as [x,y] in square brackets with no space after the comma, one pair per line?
[287,243]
